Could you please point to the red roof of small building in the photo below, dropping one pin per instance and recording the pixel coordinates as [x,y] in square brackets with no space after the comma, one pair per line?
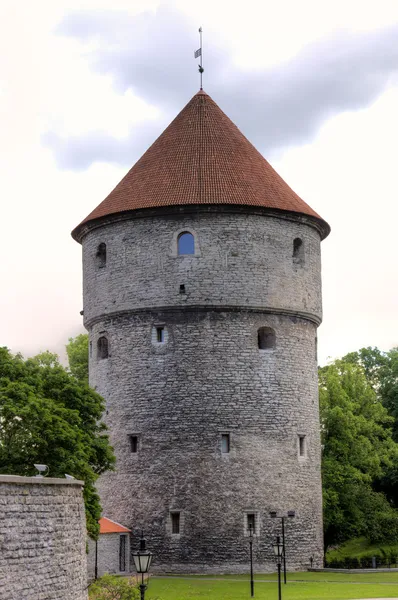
[201,158]
[109,526]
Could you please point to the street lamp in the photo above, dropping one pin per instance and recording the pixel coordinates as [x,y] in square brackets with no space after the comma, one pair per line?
[142,561]
[290,514]
[278,550]
[251,560]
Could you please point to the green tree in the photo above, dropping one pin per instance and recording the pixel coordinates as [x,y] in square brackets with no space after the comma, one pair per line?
[48,416]
[77,351]
[357,449]
[374,362]
[389,387]
[381,370]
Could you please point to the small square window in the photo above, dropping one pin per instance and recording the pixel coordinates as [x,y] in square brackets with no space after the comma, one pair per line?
[266,338]
[175,522]
[302,446]
[225,443]
[134,443]
[160,335]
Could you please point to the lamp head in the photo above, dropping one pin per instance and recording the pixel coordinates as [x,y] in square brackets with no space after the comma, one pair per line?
[41,468]
[278,549]
[142,557]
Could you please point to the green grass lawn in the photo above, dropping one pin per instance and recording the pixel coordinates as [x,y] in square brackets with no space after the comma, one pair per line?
[311,586]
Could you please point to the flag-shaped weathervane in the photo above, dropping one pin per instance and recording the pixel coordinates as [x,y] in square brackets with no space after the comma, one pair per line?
[198,53]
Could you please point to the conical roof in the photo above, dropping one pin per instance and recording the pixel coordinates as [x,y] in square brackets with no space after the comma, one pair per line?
[201,158]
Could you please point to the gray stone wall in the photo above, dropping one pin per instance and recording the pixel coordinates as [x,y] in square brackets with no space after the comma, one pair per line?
[241,260]
[108,555]
[42,539]
[209,378]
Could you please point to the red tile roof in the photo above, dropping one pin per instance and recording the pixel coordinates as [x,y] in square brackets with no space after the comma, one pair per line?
[201,158]
[108,526]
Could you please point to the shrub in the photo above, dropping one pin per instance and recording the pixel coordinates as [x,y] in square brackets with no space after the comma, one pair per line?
[111,587]
[366,561]
[335,563]
[353,562]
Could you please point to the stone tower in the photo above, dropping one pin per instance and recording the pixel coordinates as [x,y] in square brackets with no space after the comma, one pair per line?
[202,297]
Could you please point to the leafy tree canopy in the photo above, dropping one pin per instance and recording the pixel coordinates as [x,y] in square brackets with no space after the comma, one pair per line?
[357,449]
[381,370]
[48,415]
[77,351]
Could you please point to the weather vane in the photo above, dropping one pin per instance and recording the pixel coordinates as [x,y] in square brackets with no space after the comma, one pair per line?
[198,53]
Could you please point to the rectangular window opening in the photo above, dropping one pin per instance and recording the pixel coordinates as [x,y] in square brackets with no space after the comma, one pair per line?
[225,443]
[160,335]
[175,522]
[134,443]
[301,445]
[251,522]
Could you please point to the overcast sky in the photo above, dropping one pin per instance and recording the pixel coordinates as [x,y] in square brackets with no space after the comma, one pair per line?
[86,86]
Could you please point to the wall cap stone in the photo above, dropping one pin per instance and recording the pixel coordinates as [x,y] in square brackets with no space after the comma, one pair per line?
[46,480]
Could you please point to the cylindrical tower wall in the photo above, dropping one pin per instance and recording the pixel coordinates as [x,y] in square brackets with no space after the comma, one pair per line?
[207,383]
[241,260]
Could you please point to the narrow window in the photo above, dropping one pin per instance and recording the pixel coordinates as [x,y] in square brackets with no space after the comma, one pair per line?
[225,441]
[175,522]
[298,251]
[160,335]
[266,338]
[102,347]
[251,522]
[185,243]
[122,552]
[134,443]
[91,349]
[101,256]
[302,445]
[182,289]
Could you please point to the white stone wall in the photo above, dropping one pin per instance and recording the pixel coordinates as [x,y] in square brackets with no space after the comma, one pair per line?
[108,555]
[42,539]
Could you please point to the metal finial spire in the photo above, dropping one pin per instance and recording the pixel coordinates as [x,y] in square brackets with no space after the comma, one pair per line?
[199,53]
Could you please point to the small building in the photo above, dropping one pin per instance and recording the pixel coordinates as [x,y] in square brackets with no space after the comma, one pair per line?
[111,552]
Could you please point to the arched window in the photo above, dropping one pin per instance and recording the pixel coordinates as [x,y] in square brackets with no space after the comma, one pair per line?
[102,347]
[266,338]
[185,243]
[298,251]
[101,255]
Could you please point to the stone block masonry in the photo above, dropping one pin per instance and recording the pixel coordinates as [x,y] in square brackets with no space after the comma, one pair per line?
[42,539]
[207,378]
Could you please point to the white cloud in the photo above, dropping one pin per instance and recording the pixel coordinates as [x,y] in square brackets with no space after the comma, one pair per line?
[347,173]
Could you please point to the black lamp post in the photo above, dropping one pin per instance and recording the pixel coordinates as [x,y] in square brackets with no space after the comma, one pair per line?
[142,561]
[278,550]
[251,560]
[291,514]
